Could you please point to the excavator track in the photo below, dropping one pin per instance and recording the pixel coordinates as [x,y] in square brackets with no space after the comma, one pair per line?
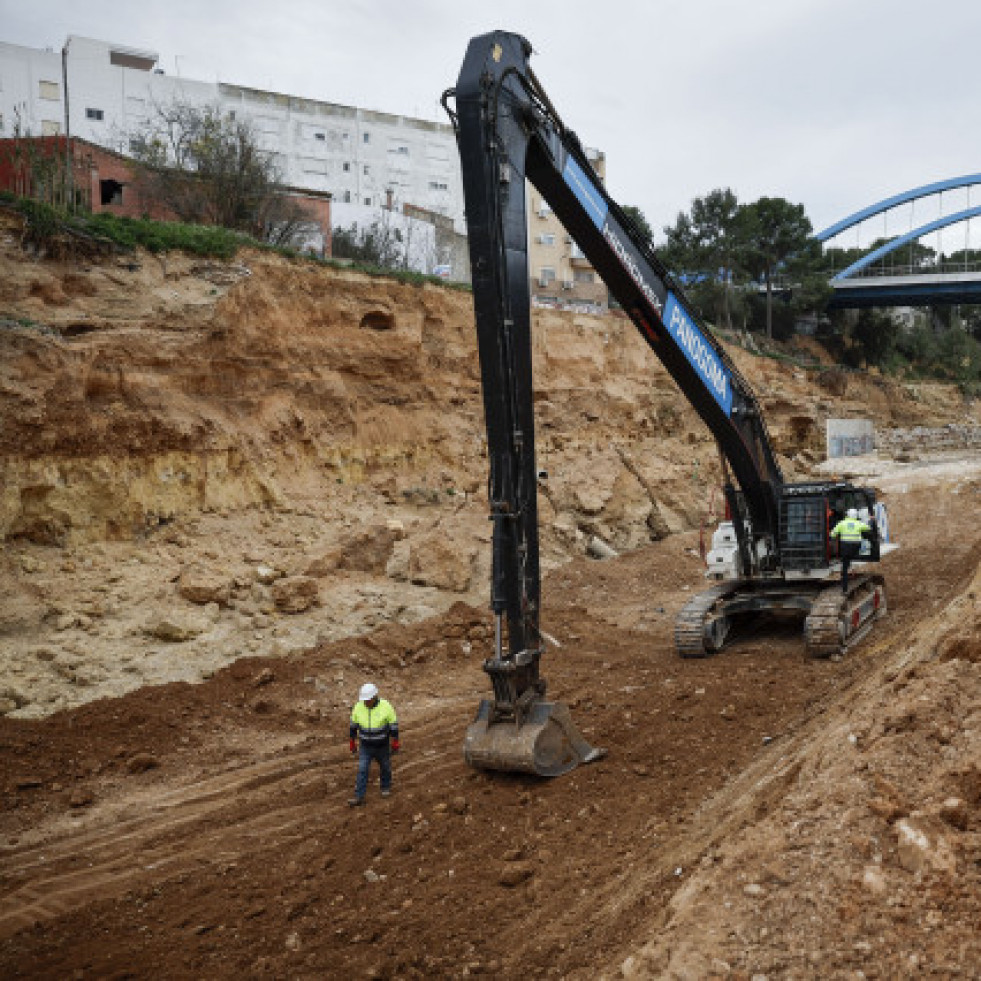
[690,638]
[834,622]
[838,622]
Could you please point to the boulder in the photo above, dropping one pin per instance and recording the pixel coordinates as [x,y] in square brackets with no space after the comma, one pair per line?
[267,575]
[514,873]
[175,629]
[294,594]
[436,561]
[367,551]
[598,549]
[922,847]
[199,586]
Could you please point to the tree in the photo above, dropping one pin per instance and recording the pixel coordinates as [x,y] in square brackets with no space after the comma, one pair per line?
[639,220]
[768,232]
[208,167]
[703,243]
[874,334]
[378,244]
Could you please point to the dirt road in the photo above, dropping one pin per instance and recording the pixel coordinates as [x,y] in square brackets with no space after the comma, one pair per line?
[190,831]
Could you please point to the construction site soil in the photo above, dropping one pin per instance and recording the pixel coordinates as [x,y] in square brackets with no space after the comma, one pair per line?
[233,493]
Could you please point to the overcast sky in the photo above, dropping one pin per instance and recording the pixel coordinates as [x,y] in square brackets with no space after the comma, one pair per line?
[830,103]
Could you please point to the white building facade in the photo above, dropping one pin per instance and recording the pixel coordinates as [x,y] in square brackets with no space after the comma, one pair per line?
[373,160]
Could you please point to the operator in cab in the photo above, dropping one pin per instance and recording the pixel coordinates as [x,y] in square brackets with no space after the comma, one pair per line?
[849,533]
[374,735]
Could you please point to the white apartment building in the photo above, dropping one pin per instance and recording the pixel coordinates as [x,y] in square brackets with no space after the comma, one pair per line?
[364,158]
[561,275]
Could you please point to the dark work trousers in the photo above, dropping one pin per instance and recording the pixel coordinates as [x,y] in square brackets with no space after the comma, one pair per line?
[367,753]
[848,552]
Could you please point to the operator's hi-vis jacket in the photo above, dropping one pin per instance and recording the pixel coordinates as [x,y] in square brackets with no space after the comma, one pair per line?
[375,725]
[850,530]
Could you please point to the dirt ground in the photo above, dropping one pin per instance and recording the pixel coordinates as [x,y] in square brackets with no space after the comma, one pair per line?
[202,830]
[226,502]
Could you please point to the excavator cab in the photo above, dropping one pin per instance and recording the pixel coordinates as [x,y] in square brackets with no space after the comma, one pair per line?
[809,512]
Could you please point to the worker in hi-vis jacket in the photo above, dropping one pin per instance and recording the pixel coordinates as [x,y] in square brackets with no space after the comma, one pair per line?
[374,736]
[849,533]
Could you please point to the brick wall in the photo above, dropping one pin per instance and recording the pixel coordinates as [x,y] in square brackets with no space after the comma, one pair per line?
[104,181]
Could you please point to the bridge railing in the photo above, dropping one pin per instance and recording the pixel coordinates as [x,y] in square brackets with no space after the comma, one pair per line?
[943,267]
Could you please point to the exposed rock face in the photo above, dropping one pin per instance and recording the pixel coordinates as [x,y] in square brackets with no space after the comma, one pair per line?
[190,449]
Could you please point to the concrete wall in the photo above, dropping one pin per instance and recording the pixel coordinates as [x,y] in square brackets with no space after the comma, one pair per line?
[850,437]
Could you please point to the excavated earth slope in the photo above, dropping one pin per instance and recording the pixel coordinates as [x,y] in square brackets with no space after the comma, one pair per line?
[234,491]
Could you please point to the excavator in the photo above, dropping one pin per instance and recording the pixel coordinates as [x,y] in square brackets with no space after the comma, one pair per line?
[773,554]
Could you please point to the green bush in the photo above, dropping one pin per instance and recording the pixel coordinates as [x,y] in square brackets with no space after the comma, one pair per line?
[165,236]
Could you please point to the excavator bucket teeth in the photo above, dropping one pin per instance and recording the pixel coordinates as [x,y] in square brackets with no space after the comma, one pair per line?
[547,742]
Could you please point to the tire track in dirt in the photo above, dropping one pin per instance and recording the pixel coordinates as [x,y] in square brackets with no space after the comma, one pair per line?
[184,825]
[602,844]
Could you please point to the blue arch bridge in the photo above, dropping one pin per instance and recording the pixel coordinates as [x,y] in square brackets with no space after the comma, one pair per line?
[902,272]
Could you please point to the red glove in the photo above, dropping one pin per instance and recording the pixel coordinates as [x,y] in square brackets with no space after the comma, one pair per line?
[354,745]
[395,745]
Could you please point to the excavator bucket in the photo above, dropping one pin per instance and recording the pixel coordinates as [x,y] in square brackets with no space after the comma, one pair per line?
[546,743]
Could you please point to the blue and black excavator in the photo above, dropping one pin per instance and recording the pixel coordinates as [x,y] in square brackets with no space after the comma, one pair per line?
[774,553]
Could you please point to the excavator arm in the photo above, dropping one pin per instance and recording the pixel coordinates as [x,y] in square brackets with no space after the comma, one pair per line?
[508,131]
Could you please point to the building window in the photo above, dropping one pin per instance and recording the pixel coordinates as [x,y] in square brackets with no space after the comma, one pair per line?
[347,197]
[320,136]
[49,90]
[110,192]
[547,239]
[367,170]
[94,114]
[366,137]
[546,276]
[437,185]
[50,128]
[1,122]
[347,167]
[367,201]
[584,277]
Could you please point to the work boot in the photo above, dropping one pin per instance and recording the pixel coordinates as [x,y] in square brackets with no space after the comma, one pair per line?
[356,802]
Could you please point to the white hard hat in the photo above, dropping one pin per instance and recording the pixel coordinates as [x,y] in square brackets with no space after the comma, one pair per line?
[368,692]
[852,513]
